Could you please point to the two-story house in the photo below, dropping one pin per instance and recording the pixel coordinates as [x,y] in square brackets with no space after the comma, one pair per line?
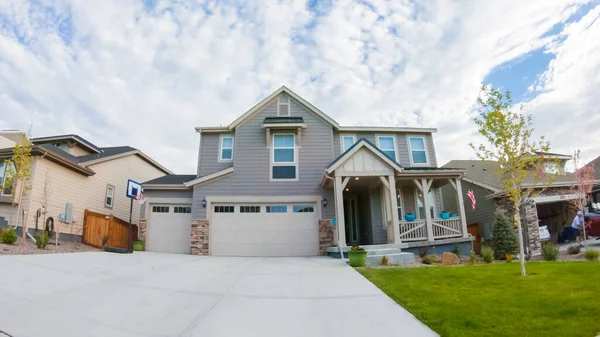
[285,179]
[69,175]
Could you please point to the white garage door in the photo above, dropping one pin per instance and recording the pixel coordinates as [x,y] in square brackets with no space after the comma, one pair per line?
[169,228]
[264,230]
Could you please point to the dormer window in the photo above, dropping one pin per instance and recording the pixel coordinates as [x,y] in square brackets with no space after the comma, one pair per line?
[551,168]
[283,105]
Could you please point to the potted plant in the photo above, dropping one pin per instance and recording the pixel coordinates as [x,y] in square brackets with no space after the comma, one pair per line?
[445,215]
[453,214]
[357,256]
[138,245]
[409,217]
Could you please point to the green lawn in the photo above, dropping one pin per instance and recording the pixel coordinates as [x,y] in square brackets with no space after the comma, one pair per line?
[555,299]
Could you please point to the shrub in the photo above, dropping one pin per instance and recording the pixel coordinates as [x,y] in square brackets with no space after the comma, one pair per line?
[487,253]
[354,247]
[456,250]
[9,236]
[41,241]
[384,261]
[549,251]
[591,255]
[505,239]
[572,250]
[473,256]
[423,252]
[429,259]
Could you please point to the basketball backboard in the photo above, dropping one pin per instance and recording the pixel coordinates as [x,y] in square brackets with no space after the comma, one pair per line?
[134,189]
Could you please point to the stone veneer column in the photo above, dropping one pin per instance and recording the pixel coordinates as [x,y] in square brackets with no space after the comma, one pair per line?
[142,230]
[533,232]
[199,237]
[325,235]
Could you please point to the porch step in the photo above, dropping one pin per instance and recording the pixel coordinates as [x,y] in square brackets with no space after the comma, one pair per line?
[381,251]
[394,258]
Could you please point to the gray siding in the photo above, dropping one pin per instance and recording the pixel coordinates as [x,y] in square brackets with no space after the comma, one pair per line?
[252,162]
[484,210]
[379,233]
[209,162]
[408,196]
[401,145]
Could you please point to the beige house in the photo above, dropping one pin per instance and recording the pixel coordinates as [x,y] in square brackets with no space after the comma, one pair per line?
[76,175]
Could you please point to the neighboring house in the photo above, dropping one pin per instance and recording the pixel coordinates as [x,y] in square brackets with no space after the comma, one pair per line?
[285,179]
[550,208]
[77,175]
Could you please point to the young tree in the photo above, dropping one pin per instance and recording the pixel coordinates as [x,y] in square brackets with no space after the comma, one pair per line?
[509,142]
[582,187]
[18,176]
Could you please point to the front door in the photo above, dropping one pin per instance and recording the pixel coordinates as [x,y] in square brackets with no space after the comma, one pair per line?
[352,223]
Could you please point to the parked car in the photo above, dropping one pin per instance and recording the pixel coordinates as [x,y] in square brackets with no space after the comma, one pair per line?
[592,221]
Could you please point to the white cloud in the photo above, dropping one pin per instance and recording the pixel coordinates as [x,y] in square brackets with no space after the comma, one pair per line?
[145,78]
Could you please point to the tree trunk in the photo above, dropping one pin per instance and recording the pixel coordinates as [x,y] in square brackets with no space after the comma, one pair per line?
[517,217]
[19,198]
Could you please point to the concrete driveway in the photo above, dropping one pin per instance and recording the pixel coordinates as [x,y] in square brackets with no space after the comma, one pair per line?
[148,294]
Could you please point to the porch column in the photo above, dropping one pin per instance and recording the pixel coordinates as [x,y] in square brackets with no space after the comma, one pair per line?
[425,189]
[339,211]
[394,205]
[461,205]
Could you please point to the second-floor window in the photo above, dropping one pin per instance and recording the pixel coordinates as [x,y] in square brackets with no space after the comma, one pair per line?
[226,153]
[387,144]
[284,159]
[418,154]
[347,142]
[110,196]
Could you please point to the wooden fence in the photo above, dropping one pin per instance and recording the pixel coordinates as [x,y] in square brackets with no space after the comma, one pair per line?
[99,227]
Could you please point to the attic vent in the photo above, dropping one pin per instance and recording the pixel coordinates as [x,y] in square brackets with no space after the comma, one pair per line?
[283,105]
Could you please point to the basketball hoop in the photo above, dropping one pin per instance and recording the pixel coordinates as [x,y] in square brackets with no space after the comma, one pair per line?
[140,197]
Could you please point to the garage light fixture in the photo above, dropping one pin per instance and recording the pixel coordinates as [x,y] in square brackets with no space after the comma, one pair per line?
[203,203]
[324,202]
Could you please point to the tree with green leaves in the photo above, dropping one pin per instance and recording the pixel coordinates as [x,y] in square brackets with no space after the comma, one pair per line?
[508,133]
[18,175]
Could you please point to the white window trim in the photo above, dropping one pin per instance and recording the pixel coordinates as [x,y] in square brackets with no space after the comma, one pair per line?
[280,102]
[410,154]
[435,212]
[395,145]
[109,187]
[272,159]
[342,135]
[221,160]
[3,168]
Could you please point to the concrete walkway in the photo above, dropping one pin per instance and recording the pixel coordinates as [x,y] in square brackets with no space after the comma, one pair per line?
[147,294]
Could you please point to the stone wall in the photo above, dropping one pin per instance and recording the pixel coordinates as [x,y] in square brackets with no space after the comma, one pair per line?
[529,219]
[199,237]
[325,235]
[142,230]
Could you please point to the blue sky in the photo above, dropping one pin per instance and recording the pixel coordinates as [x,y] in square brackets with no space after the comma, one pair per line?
[102,69]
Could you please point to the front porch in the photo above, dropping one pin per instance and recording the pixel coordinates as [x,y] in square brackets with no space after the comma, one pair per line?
[377,202]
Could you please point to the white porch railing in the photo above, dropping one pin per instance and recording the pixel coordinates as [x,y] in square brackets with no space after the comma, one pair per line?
[442,228]
[446,228]
[413,230]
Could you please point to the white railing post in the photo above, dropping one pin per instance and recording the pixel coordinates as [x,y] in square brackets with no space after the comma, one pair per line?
[426,206]
[461,205]
[339,211]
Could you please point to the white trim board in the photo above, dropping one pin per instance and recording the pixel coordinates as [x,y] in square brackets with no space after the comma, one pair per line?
[218,174]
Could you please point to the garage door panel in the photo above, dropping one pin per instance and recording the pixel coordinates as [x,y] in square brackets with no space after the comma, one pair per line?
[169,232]
[264,234]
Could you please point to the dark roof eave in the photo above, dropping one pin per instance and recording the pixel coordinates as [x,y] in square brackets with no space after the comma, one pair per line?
[82,141]
[36,150]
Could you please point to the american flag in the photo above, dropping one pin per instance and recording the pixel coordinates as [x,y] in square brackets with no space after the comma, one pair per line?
[471,196]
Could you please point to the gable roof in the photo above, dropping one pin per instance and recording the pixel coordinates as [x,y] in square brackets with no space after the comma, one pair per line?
[596,163]
[72,137]
[362,142]
[283,89]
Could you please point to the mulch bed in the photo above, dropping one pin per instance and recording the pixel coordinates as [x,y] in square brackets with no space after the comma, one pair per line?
[29,248]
